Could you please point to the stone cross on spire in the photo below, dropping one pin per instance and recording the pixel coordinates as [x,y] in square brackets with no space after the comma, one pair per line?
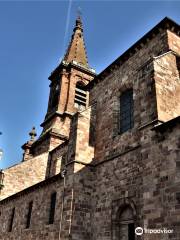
[76,50]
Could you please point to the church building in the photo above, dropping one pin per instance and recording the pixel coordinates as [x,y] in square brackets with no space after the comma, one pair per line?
[106,165]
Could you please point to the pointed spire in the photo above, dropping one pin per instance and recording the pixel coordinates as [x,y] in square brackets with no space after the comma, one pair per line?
[76,50]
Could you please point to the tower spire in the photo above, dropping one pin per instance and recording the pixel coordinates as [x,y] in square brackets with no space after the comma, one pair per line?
[67,96]
[76,50]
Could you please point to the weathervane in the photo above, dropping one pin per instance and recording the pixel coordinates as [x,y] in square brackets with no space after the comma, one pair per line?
[1,151]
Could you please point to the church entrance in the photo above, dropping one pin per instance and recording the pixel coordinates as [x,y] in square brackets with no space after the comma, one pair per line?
[124,228]
[127,231]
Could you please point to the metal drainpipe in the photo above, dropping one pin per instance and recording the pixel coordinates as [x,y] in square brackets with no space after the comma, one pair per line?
[63,174]
[71,215]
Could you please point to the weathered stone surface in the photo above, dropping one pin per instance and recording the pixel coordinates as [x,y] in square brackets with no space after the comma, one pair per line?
[167,85]
[24,175]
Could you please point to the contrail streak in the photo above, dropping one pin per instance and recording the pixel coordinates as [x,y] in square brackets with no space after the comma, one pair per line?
[67,24]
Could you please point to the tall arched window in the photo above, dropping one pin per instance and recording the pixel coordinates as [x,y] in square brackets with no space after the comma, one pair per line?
[80,96]
[126,111]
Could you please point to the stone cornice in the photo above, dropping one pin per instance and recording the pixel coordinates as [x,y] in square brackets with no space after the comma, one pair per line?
[45,135]
[56,113]
[163,126]
[73,64]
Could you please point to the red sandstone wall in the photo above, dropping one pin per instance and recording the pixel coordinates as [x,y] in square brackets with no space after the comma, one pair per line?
[167,82]
[80,148]
[76,209]
[39,228]
[137,73]
[57,160]
[147,178]
[23,175]
[173,42]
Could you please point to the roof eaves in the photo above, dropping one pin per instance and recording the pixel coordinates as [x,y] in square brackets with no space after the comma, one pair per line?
[165,125]
[166,23]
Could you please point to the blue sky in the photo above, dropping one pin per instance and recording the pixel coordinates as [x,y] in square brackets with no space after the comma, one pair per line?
[32,37]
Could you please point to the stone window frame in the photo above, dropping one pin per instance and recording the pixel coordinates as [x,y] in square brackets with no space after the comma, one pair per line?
[126,122]
[116,109]
[79,93]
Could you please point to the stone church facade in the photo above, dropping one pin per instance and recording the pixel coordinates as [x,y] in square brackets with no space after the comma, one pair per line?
[107,160]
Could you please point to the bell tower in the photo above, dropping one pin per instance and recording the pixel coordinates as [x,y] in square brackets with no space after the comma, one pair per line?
[67,91]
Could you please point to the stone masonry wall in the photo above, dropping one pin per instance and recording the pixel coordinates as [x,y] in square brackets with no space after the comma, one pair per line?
[57,160]
[161,180]
[167,82]
[39,227]
[23,175]
[118,182]
[173,42]
[137,73]
[130,166]
[72,210]
[79,148]
[146,178]
[82,206]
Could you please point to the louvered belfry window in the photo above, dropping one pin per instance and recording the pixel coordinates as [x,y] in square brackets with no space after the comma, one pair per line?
[80,96]
[126,111]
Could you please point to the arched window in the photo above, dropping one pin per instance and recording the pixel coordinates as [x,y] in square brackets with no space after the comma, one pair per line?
[126,111]
[80,96]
